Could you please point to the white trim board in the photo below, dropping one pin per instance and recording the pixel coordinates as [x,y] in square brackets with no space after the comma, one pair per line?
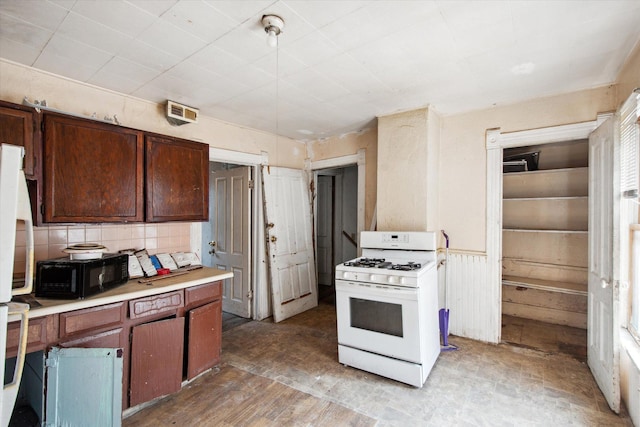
[495,142]
[335,162]
[261,307]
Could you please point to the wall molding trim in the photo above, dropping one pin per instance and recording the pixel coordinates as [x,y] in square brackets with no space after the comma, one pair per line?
[495,142]
[260,307]
[237,157]
[358,159]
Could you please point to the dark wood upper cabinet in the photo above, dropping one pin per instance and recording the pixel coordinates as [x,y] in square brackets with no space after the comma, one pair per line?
[19,126]
[177,179]
[93,172]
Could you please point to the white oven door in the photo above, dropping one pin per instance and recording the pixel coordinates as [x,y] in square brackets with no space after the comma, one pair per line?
[378,318]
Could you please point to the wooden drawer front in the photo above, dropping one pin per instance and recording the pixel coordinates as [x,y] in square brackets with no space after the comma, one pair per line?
[199,295]
[36,336]
[114,338]
[101,317]
[156,304]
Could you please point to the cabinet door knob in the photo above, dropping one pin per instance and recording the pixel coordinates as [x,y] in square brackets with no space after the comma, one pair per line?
[273,239]
[212,243]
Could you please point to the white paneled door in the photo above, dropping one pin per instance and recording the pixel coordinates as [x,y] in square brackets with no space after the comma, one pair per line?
[289,233]
[229,247]
[603,338]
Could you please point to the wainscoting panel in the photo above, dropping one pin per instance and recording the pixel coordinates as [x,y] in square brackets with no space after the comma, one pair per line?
[474,306]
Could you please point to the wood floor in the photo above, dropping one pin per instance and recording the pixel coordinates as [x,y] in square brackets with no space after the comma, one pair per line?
[233,397]
[287,374]
[545,337]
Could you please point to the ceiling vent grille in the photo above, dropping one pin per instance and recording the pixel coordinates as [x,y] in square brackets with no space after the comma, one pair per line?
[178,114]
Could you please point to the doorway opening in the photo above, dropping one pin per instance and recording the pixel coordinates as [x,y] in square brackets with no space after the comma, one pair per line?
[545,211]
[336,224]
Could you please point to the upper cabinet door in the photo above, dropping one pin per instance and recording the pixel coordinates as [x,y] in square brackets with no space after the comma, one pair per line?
[93,172]
[17,127]
[177,180]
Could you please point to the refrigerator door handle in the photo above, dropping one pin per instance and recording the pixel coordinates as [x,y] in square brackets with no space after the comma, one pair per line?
[23,212]
[19,311]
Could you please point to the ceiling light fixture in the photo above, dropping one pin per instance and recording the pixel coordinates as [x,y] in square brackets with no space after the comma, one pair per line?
[273,26]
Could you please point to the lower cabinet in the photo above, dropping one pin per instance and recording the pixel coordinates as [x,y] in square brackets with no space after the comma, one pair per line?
[115,338]
[203,338]
[84,387]
[156,359]
[159,341]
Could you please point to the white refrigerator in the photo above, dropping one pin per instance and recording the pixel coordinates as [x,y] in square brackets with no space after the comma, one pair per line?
[14,208]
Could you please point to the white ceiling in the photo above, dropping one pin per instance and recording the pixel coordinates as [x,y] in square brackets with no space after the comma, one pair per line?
[339,63]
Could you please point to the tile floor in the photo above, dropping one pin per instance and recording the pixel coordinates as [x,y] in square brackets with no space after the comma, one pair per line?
[478,385]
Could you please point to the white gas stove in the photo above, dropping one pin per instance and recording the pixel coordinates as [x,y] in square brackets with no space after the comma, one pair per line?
[387,306]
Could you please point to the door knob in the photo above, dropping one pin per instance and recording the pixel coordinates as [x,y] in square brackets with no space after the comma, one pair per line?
[270,225]
[273,239]
[212,244]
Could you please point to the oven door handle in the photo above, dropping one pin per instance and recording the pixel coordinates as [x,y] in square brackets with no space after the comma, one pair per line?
[372,289]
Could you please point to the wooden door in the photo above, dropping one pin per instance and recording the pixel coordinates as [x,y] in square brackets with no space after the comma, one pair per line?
[156,359]
[17,127]
[289,233]
[229,247]
[93,171]
[204,338]
[324,232]
[177,180]
[602,317]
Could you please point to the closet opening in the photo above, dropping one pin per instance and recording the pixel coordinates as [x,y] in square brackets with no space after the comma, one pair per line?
[544,247]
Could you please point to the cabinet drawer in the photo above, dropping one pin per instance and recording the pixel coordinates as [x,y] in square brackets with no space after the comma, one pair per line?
[201,294]
[102,317]
[39,331]
[115,338]
[150,306]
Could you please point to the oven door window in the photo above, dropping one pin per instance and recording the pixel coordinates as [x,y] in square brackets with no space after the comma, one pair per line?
[376,316]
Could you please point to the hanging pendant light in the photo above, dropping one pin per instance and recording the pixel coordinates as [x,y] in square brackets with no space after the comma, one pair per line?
[273,26]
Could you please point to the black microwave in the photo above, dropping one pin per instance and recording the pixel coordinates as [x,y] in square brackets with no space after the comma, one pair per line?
[64,278]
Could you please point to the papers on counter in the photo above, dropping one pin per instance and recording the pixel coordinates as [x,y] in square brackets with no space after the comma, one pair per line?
[167,261]
[142,264]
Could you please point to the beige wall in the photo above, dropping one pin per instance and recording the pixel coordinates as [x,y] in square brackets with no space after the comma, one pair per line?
[408,144]
[629,77]
[462,180]
[349,144]
[18,81]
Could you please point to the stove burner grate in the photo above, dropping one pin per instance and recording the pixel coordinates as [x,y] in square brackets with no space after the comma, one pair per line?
[381,263]
[365,262]
[406,267]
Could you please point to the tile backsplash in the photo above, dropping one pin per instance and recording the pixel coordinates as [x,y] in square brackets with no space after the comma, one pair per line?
[51,240]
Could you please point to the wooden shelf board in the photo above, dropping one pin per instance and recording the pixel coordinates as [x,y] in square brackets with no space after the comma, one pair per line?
[546,285]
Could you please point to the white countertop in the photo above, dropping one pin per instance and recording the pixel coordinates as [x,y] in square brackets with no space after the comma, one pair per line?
[131,290]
